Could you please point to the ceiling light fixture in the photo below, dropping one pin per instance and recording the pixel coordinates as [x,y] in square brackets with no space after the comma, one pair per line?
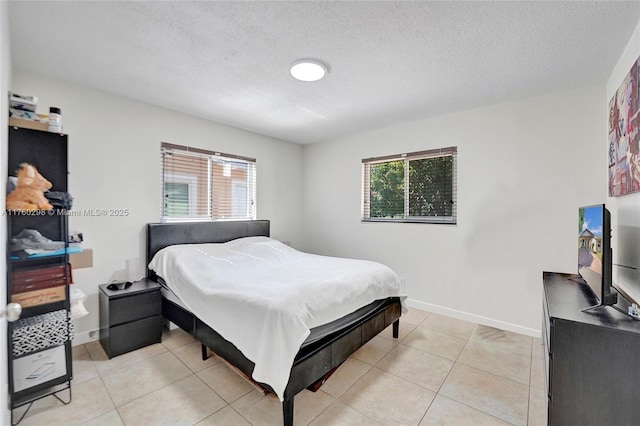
[308,70]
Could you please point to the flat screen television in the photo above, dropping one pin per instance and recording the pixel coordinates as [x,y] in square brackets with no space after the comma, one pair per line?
[594,253]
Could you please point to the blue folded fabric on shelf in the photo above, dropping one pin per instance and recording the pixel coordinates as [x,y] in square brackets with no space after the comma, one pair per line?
[59,252]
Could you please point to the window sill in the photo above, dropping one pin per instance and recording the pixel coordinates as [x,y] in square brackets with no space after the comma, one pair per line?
[430,221]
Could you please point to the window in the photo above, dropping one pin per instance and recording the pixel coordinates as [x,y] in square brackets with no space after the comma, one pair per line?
[413,187]
[200,184]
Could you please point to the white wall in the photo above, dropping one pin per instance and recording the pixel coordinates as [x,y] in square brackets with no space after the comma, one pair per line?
[114,163]
[625,210]
[524,168]
[5,76]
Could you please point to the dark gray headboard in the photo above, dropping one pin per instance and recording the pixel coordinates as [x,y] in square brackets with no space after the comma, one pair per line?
[161,235]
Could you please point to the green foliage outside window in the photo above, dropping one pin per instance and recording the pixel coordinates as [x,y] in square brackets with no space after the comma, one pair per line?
[430,188]
[387,189]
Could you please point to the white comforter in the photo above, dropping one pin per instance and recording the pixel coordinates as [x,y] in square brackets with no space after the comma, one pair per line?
[264,296]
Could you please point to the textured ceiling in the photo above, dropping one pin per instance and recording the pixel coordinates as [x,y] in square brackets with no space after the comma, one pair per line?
[390,62]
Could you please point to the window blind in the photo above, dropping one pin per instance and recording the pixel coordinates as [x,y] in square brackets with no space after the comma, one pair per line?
[198,184]
[412,187]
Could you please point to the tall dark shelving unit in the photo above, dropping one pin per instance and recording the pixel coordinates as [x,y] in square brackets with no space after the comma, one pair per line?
[48,153]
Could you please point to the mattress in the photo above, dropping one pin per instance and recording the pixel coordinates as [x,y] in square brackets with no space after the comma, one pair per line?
[317,333]
[265,297]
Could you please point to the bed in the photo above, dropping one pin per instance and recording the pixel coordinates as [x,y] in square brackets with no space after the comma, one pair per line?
[325,347]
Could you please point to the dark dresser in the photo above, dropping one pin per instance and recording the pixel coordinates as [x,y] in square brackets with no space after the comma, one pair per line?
[131,318]
[593,357]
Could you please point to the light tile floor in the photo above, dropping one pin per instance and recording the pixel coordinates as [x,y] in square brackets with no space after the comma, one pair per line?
[441,371]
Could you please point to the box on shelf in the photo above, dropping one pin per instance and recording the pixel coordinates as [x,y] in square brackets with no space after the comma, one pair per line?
[40,277]
[32,370]
[24,103]
[35,333]
[84,259]
[39,297]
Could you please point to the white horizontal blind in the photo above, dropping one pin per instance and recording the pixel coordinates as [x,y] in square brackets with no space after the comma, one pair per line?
[413,187]
[197,184]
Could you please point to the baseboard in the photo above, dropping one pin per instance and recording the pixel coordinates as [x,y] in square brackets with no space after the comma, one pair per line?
[490,322]
[85,337]
[93,335]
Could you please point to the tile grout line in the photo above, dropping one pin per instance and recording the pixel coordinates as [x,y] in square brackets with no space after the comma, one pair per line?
[227,404]
[322,411]
[372,366]
[354,383]
[397,342]
[488,372]
[195,373]
[529,393]
[148,393]
[445,378]
[115,407]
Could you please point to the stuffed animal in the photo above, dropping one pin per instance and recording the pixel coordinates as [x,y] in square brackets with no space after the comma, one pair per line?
[29,191]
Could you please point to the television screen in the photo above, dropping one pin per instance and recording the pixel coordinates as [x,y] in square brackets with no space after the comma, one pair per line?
[594,251]
[590,247]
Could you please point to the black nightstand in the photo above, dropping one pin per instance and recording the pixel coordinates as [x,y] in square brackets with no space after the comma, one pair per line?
[131,318]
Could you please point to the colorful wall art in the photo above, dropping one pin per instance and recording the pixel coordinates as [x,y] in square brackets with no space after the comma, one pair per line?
[624,137]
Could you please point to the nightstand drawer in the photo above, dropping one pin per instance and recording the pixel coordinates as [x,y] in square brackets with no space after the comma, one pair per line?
[134,335]
[130,318]
[134,307]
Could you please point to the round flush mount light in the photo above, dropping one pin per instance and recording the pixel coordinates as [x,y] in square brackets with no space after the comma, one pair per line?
[308,70]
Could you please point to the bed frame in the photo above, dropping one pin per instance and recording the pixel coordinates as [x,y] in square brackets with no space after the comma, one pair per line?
[324,350]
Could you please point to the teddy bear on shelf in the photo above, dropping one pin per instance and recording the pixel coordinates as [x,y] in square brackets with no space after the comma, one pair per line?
[29,191]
